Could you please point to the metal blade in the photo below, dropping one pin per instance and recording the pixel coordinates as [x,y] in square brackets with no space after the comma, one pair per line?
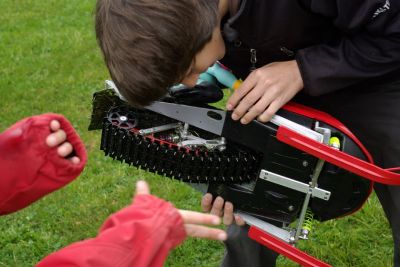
[211,120]
[265,226]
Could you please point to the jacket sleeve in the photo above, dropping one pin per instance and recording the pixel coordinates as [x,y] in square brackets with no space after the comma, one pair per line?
[29,169]
[140,235]
[368,45]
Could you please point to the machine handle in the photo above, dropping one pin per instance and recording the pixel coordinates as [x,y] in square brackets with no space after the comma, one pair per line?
[337,157]
[285,249]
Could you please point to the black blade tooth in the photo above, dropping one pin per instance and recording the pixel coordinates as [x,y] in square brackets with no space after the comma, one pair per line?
[110,142]
[120,144]
[104,135]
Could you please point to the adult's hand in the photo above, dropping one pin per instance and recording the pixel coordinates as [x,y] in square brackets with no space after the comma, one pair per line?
[221,208]
[265,91]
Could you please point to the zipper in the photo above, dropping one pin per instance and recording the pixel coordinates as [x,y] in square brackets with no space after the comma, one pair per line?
[287,52]
[253,58]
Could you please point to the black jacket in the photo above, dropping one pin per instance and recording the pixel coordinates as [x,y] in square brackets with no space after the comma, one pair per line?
[338,44]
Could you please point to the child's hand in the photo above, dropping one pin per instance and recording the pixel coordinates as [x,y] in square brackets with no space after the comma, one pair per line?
[193,221]
[265,91]
[59,138]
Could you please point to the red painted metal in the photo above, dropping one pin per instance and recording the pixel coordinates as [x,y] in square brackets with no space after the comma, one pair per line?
[337,157]
[285,249]
[328,119]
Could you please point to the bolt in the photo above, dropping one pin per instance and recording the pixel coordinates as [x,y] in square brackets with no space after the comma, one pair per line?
[221,148]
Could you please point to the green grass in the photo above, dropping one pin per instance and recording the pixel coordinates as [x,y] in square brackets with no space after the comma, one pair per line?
[49,62]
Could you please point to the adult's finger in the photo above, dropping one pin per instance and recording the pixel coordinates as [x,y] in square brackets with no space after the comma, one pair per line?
[269,112]
[228,213]
[239,93]
[205,232]
[206,202]
[239,220]
[248,102]
[259,107]
[217,207]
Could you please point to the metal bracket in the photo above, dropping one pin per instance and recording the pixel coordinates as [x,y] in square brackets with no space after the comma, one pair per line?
[161,128]
[294,184]
[281,121]
[211,120]
[265,226]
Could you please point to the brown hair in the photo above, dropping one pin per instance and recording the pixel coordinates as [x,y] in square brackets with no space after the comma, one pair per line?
[149,45]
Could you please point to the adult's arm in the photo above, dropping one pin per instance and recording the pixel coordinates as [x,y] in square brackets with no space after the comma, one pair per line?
[369,46]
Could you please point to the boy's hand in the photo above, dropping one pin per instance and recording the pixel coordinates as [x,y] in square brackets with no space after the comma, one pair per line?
[265,91]
[221,208]
[193,221]
[58,138]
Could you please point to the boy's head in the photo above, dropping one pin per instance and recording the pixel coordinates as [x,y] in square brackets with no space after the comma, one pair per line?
[150,45]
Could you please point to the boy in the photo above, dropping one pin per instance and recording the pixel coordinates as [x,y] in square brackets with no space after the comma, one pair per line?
[340,56]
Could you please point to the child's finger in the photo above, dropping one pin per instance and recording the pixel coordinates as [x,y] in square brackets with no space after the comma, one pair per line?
[193,217]
[55,125]
[205,232]
[65,149]
[142,188]
[75,160]
[56,138]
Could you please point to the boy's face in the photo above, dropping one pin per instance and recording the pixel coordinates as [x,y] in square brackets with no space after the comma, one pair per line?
[212,52]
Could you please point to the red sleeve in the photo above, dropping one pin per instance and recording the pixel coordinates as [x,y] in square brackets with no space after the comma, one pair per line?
[140,235]
[29,169]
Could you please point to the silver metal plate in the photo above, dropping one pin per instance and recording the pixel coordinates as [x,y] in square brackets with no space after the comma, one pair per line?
[298,128]
[294,184]
[266,227]
[211,120]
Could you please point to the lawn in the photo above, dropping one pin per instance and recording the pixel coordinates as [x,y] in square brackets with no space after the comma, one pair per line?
[49,62]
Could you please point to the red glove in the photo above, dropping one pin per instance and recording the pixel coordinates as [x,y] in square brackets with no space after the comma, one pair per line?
[29,168]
